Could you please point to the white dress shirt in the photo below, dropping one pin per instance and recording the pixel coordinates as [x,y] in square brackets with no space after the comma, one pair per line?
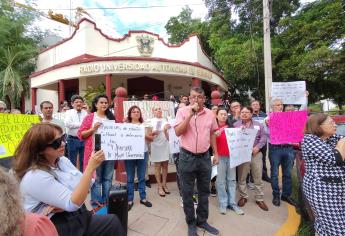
[73,120]
[41,188]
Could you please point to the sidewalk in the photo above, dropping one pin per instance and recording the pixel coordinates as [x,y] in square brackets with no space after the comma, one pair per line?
[166,217]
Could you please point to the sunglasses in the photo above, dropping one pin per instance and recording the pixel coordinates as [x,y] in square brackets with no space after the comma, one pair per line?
[57,142]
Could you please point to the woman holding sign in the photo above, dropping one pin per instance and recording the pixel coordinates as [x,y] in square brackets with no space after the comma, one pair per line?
[324,180]
[134,116]
[51,185]
[104,174]
[226,178]
[160,150]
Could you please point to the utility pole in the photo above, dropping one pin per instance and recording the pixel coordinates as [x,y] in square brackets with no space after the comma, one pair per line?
[267,52]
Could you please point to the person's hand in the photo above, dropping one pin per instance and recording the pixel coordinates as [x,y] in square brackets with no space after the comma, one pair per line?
[267,121]
[255,151]
[96,159]
[341,147]
[155,133]
[51,209]
[307,93]
[194,108]
[96,126]
[215,159]
[218,132]
[166,127]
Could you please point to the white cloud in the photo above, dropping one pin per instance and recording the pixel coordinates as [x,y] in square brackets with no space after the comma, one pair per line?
[116,22]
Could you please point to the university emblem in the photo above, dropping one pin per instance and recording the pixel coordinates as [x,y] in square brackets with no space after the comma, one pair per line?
[145,45]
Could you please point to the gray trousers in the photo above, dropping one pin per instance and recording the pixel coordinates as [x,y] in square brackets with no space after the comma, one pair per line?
[195,167]
[256,167]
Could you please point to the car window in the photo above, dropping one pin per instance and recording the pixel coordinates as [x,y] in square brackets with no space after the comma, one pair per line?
[341,129]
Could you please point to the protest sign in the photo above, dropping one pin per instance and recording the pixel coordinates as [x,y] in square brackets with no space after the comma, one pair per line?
[174,142]
[287,127]
[122,141]
[240,142]
[290,92]
[12,129]
[146,108]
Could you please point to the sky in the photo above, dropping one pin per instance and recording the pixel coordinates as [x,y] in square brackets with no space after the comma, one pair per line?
[117,22]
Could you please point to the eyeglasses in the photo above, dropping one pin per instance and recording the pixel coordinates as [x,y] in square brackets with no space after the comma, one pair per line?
[57,142]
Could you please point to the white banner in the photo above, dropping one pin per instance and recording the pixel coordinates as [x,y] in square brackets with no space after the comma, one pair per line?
[146,108]
[122,141]
[240,143]
[290,92]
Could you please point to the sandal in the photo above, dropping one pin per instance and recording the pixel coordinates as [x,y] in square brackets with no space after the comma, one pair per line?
[165,189]
[160,193]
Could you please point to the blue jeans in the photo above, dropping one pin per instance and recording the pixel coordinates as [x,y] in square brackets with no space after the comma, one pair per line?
[104,177]
[74,147]
[226,183]
[140,165]
[281,155]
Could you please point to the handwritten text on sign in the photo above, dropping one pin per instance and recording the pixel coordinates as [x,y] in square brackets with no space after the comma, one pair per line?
[12,129]
[287,127]
[290,92]
[122,141]
[146,108]
[240,143]
[174,141]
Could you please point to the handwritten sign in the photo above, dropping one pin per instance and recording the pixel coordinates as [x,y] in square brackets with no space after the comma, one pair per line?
[287,127]
[12,129]
[174,142]
[240,143]
[146,108]
[122,141]
[290,92]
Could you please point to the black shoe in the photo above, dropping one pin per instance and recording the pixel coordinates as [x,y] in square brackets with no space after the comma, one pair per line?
[130,205]
[213,191]
[147,183]
[146,203]
[208,228]
[192,230]
[135,186]
[266,178]
[289,200]
[276,201]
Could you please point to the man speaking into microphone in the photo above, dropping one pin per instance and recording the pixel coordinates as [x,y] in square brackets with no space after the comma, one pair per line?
[195,125]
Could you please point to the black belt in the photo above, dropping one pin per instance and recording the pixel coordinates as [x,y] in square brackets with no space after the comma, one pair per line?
[74,137]
[281,145]
[193,154]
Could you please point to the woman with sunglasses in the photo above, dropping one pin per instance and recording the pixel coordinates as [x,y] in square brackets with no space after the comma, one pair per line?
[51,185]
[104,174]
[134,116]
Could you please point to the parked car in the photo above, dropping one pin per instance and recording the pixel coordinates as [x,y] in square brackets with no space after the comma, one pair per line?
[305,209]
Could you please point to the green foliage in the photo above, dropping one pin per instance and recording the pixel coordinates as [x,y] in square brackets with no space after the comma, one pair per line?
[18,47]
[92,92]
[307,43]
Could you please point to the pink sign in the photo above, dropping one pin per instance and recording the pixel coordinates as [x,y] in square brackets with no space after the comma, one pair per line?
[287,127]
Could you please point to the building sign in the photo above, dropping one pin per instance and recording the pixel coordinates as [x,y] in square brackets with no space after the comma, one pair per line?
[145,45]
[132,67]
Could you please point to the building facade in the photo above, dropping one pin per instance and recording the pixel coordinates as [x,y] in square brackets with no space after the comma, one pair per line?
[140,61]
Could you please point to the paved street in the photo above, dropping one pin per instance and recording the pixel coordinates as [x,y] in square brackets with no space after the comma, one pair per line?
[166,217]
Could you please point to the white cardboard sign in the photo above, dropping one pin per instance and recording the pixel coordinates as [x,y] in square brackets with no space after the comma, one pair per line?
[240,142]
[122,141]
[290,92]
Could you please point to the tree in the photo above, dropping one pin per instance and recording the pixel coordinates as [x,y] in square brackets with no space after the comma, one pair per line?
[312,49]
[18,48]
